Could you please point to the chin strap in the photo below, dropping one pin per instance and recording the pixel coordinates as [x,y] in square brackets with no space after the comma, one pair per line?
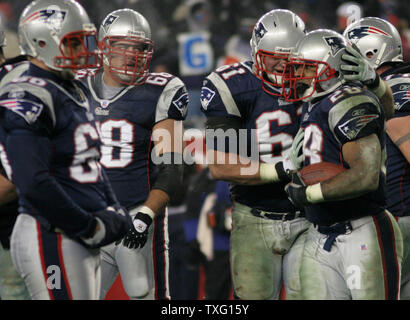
[325,92]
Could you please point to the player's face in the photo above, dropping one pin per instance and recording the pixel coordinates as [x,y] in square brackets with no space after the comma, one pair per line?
[74,47]
[275,65]
[305,73]
[124,54]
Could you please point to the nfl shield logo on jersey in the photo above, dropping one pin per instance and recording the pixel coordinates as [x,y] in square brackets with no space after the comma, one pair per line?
[104,103]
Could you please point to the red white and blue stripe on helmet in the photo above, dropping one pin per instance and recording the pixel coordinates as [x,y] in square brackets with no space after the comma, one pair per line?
[45,14]
[363,31]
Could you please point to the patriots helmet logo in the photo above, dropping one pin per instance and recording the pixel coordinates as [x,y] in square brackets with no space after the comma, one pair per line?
[206,96]
[53,18]
[29,110]
[260,31]
[363,31]
[335,44]
[352,127]
[182,103]
[109,21]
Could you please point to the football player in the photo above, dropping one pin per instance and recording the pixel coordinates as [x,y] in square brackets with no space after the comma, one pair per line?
[66,205]
[245,98]
[380,43]
[353,249]
[138,110]
[12,286]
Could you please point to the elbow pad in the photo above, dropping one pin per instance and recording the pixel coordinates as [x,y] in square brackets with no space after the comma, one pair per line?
[170,175]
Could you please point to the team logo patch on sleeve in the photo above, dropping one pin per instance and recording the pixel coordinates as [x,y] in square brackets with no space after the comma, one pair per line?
[352,127]
[206,96]
[400,99]
[29,110]
[182,104]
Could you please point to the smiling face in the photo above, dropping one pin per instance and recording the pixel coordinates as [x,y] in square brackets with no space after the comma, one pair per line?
[275,64]
[271,66]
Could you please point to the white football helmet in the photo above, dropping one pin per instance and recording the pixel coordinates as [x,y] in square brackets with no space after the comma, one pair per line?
[59,33]
[275,35]
[314,69]
[377,39]
[125,40]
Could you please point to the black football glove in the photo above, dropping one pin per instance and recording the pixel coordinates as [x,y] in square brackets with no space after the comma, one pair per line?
[296,191]
[137,235]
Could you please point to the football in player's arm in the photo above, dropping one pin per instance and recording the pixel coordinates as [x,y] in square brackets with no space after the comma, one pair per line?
[250,131]
[343,124]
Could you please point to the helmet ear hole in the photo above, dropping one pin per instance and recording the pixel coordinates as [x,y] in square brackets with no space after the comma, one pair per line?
[370,54]
[41,43]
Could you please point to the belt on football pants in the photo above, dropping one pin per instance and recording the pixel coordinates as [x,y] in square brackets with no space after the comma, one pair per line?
[333,231]
[277,216]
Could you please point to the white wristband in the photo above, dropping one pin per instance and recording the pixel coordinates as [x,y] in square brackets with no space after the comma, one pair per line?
[267,172]
[148,211]
[314,193]
[380,90]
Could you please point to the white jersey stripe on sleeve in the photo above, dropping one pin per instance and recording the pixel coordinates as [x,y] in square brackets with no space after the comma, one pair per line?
[166,97]
[225,94]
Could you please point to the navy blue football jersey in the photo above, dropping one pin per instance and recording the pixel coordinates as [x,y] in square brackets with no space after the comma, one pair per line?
[9,70]
[347,114]
[126,121]
[52,146]
[234,92]
[398,169]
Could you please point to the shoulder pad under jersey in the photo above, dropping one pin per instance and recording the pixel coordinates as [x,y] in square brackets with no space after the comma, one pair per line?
[400,85]
[173,101]
[12,72]
[222,88]
[349,117]
[27,96]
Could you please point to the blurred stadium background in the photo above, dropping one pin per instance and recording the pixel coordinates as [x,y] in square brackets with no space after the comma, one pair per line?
[193,37]
[224,19]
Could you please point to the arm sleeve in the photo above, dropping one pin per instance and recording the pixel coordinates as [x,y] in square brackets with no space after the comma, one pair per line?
[173,102]
[223,115]
[356,121]
[31,175]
